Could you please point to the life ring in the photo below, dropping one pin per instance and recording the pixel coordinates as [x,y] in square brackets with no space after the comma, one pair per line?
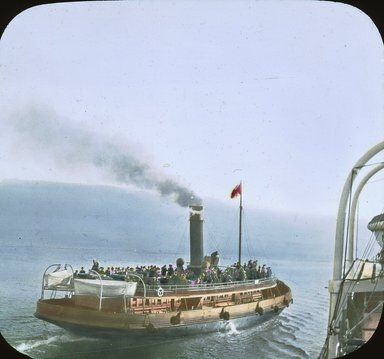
[160,292]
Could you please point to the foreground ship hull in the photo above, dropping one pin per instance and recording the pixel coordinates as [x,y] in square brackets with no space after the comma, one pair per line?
[357,287]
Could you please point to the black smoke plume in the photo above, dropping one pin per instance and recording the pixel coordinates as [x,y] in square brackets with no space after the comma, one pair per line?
[44,132]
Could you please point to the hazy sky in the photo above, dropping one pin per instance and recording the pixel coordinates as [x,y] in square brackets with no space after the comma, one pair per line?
[283,95]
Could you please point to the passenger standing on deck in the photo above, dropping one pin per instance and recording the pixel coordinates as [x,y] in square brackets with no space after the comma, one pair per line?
[170,270]
[263,272]
[164,270]
[258,272]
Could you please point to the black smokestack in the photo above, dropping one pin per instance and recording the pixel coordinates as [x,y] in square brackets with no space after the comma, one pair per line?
[46,134]
[196,238]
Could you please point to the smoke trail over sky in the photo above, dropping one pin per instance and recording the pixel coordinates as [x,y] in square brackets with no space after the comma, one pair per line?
[46,134]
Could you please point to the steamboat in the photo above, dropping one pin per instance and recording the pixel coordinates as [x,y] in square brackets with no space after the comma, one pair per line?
[95,303]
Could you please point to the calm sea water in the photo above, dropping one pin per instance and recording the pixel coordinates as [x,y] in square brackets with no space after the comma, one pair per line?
[298,332]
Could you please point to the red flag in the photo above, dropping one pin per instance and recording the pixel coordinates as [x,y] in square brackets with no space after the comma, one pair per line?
[236,191]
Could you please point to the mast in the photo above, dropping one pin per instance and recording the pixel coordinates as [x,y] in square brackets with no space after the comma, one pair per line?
[240,220]
[235,192]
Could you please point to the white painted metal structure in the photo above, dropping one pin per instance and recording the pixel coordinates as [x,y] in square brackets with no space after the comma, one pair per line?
[339,274]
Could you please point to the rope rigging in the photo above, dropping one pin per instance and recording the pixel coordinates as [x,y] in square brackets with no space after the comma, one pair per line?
[212,240]
[251,250]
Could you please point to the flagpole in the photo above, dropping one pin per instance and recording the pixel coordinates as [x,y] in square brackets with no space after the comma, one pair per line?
[240,220]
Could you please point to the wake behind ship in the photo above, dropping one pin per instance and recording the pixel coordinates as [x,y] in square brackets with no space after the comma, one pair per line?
[95,303]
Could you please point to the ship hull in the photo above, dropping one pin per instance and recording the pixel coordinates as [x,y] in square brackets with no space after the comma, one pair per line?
[242,304]
[101,324]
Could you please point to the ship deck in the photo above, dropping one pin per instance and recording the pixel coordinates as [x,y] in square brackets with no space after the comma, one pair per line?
[205,288]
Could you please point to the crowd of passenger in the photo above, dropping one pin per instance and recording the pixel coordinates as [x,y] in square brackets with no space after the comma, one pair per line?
[177,275]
